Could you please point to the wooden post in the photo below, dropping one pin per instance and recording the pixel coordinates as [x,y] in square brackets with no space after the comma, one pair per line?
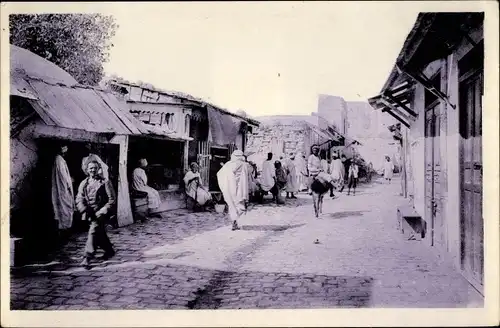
[124,209]
[186,155]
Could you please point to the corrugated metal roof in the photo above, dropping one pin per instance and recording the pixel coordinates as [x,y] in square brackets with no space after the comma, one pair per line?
[81,108]
[60,101]
[186,96]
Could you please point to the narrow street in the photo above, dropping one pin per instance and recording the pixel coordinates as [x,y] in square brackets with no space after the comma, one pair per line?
[194,261]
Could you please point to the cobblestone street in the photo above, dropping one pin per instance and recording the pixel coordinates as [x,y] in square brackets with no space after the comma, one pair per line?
[194,261]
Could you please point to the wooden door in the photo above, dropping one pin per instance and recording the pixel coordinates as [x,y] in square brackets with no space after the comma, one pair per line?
[204,161]
[433,205]
[472,239]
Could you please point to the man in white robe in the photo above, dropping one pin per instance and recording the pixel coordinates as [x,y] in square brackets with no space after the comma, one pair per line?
[337,172]
[233,183]
[268,179]
[62,191]
[388,169]
[292,184]
[140,183]
[301,171]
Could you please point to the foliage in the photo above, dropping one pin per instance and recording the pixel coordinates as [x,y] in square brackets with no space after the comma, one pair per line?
[78,43]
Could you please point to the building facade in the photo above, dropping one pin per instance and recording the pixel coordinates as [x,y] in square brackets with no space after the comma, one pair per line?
[49,109]
[356,121]
[435,90]
[192,130]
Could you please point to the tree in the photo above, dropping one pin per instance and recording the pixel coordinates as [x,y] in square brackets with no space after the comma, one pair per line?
[78,43]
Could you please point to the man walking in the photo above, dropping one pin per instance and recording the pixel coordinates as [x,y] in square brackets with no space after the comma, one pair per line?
[313,165]
[233,183]
[353,176]
[95,200]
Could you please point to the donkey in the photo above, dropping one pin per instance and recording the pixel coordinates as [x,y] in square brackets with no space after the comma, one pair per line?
[319,187]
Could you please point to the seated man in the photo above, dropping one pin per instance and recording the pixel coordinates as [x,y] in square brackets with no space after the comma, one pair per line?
[140,183]
[194,187]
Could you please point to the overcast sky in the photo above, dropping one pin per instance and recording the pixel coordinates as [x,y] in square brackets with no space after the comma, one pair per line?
[264,58]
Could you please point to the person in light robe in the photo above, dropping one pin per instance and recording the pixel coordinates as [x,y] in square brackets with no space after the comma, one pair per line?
[233,183]
[140,183]
[337,172]
[388,169]
[268,178]
[353,176]
[194,187]
[253,184]
[313,166]
[369,172]
[324,162]
[62,192]
[301,171]
[292,184]
[95,200]
[93,156]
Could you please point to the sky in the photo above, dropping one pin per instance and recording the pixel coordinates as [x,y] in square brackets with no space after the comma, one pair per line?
[263,58]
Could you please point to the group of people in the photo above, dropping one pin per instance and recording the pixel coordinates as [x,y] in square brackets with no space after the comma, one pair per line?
[237,179]
[339,168]
[95,199]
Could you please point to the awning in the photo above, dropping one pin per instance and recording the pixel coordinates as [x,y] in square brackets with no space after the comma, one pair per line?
[434,36]
[396,101]
[223,128]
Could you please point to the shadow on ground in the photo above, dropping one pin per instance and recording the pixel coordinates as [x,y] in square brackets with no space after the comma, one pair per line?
[131,241]
[268,227]
[345,214]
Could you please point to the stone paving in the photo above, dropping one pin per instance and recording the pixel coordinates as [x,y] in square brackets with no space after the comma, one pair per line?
[193,261]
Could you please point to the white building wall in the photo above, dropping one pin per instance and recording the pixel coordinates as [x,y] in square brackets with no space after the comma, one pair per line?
[417,146]
[453,152]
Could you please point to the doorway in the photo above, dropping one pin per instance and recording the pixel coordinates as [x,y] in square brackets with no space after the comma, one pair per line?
[471,164]
[433,184]
[219,155]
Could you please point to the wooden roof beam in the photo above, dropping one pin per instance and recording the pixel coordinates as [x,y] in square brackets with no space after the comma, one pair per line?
[401,105]
[424,81]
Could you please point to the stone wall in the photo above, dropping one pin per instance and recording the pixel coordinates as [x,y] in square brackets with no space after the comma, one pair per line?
[278,138]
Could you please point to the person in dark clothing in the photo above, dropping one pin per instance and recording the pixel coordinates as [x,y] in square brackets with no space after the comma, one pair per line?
[347,163]
[280,181]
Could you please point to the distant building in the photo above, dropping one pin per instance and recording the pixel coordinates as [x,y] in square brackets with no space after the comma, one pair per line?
[356,121]
[334,110]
